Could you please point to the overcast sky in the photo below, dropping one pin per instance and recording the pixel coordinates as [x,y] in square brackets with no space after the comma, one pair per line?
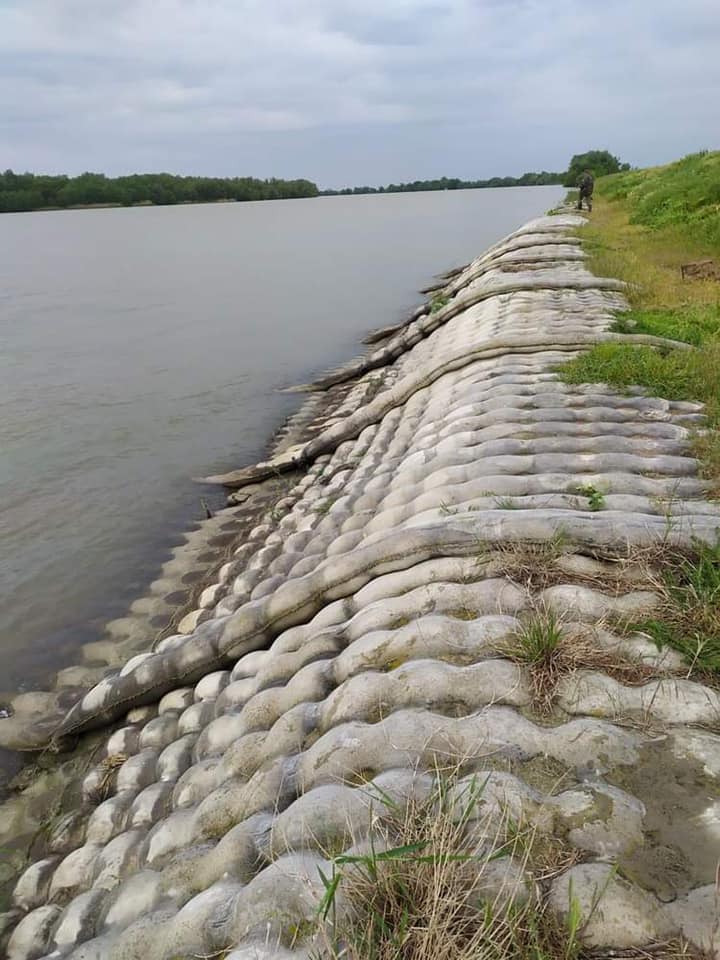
[353,91]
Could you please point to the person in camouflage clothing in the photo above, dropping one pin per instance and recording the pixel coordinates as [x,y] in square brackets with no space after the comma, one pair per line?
[586,184]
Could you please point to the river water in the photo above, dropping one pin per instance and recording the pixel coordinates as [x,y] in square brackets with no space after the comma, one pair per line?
[142,347]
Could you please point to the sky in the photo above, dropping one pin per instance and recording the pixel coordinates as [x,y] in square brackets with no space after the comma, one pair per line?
[349,92]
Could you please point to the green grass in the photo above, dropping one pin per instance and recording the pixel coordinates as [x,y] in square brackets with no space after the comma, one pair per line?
[438,301]
[671,374]
[692,323]
[685,194]
[690,618]
[674,375]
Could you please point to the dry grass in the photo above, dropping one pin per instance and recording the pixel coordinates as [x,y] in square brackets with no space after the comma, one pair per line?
[442,879]
[647,260]
[551,654]
[433,887]
[537,566]
[109,766]
[687,583]
[545,855]
[531,565]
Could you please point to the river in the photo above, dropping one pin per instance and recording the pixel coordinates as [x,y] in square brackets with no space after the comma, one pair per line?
[142,347]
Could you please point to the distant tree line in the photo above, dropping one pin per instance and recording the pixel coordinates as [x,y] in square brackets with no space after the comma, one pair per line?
[599,162]
[454,183]
[28,191]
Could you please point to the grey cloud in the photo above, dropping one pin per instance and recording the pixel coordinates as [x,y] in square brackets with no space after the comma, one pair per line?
[346,91]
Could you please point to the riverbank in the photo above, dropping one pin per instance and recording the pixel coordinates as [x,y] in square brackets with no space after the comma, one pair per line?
[450,595]
[164,362]
[645,226]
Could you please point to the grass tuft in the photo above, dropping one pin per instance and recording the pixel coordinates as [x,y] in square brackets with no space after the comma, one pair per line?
[550,654]
[506,503]
[532,565]
[440,881]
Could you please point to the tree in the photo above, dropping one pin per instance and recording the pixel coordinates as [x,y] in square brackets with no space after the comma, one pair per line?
[598,162]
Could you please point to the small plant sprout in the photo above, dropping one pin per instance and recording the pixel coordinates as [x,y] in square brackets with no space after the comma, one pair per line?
[595,498]
[438,301]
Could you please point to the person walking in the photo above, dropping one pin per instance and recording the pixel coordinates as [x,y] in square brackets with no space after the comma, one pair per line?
[586,184]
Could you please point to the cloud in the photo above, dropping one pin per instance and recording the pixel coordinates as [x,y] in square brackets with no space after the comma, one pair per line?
[347,91]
